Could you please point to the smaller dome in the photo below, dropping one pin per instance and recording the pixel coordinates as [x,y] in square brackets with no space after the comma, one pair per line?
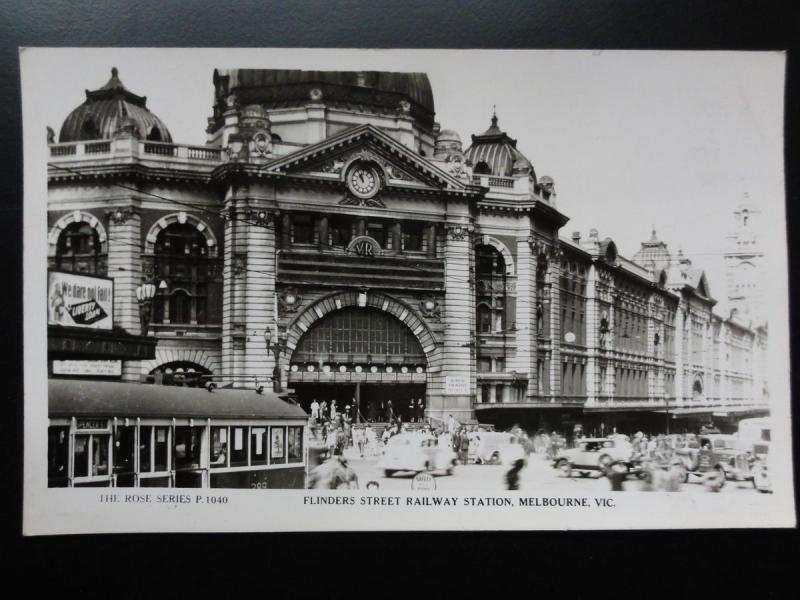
[109,109]
[494,153]
[653,255]
[448,135]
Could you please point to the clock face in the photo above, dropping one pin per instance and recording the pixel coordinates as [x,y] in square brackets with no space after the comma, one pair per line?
[362,181]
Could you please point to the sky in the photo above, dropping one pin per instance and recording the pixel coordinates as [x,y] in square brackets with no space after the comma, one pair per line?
[633,140]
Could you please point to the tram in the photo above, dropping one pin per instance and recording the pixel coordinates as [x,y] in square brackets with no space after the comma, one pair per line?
[109,434]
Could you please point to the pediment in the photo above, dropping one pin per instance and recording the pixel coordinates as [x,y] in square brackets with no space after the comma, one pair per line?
[399,166]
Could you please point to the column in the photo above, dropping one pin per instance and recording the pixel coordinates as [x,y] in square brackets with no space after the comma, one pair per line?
[459,335]
[553,271]
[322,243]
[679,356]
[259,297]
[397,244]
[592,336]
[431,233]
[286,231]
[525,359]
[124,267]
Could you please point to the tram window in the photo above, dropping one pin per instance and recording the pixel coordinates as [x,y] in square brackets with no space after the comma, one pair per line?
[219,447]
[258,445]
[57,455]
[238,446]
[161,439]
[100,454]
[277,445]
[124,446]
[145,441]
[81,456]
[295,444]
[187,447]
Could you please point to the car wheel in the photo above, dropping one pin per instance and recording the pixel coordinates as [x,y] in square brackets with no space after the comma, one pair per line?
[584,473]
[388,473]
[495,460]
[565,468]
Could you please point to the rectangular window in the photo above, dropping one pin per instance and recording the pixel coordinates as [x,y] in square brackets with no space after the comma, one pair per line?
[377,232]
[57,456]
[124,452]
[187,447]
[341,230]
[295,444]
[258,445]
[238,446]
[413,234]
[499,392]
[302,229]
[277,445]
[219,447]
[485,394]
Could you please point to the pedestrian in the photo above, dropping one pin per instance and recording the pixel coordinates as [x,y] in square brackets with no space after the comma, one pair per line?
[463,447]
[451,425]
[323,410]
[412,413]
[315,411]
[420,410]
[389,412]
[333,411]
[512,477]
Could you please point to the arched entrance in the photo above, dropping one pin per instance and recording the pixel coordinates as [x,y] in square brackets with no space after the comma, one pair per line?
[368,353]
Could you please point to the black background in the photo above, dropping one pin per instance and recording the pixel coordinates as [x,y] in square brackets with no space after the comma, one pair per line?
[276,565]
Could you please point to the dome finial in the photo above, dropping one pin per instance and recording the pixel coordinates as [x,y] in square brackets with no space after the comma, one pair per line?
[494,115]
[114,72]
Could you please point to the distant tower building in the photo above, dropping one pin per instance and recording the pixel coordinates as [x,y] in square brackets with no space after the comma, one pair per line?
[653,255]
[744,266]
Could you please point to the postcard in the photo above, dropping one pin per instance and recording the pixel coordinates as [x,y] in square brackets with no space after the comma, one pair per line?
[324,290]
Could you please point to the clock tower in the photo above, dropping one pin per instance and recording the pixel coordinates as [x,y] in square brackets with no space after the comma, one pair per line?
[744,265]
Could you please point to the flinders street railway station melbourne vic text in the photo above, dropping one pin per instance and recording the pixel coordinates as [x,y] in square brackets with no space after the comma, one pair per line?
[331,238]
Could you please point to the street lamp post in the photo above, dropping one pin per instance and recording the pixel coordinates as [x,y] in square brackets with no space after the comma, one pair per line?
[277,347]
[144,295]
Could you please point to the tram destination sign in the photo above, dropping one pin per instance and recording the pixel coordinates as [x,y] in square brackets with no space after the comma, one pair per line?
[80,300]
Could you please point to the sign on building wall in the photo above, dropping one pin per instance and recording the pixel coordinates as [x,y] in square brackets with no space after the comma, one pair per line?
[79,300]
[456,386]
[99,368]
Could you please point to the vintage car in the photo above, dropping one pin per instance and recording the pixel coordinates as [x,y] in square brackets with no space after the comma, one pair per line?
[760,468]
[416,452]
[488,447]
[595,454]
[711,455]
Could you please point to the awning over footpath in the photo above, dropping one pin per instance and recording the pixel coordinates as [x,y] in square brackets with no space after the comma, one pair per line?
[81,398]
[718,411]
[70,343]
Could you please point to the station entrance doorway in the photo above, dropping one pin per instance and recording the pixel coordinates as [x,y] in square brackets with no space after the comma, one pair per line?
[368,402]
[365,358]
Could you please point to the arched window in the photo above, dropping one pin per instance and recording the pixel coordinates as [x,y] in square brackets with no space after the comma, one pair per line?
[697,390]
[79,250]
[155,134]
[489,261]
[482,168]
[89,130]
[180,373]
[181,259]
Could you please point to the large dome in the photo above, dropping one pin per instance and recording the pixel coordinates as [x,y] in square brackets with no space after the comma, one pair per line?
[104,111]
[376,90]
